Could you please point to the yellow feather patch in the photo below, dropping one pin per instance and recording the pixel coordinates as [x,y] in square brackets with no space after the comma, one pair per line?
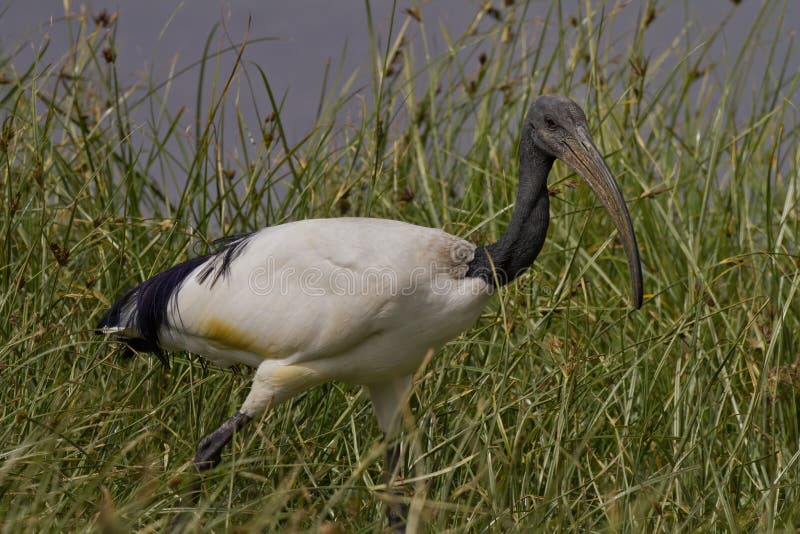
[226,336]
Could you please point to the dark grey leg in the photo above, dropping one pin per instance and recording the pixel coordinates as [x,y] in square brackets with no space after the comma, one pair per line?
[208,456]
[210,447]
[396,510]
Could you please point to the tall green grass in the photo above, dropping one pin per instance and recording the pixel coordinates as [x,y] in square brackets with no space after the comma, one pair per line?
[561,409]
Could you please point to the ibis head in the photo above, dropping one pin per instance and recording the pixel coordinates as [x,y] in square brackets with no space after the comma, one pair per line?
[555,127]
[559,129]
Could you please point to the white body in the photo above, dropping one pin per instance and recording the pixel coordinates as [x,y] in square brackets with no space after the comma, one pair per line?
[357,300]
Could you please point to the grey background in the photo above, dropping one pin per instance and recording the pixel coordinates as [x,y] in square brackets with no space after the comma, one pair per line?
[151,34]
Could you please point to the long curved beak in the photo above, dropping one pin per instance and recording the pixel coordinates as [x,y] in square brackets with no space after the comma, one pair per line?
[584,157]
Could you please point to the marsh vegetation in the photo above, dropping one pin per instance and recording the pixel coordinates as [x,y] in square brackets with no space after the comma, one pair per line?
[561,409]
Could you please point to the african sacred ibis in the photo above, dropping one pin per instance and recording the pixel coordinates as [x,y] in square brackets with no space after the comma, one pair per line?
[355,299]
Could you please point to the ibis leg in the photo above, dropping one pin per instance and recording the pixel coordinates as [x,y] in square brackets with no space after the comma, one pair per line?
[210,447]
[389,400]
[272,384]
[265,392]
[396,509]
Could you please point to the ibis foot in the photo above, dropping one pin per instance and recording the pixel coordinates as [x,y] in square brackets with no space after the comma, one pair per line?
[397,513]
[396,510]
[210,448]
[208,455]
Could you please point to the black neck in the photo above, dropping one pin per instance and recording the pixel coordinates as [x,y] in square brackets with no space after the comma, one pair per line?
[501,262]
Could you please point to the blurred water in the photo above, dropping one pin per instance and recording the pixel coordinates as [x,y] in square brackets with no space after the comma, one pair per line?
[152,34]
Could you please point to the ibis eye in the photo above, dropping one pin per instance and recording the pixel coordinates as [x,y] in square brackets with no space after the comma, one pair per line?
[551,124]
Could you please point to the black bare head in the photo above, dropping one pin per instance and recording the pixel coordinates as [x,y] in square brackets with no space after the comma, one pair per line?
[560,130]
[553,119]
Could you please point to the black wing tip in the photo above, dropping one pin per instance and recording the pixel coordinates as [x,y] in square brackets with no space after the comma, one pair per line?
[130,346]
[112,317]
[227,249]
[152,298]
